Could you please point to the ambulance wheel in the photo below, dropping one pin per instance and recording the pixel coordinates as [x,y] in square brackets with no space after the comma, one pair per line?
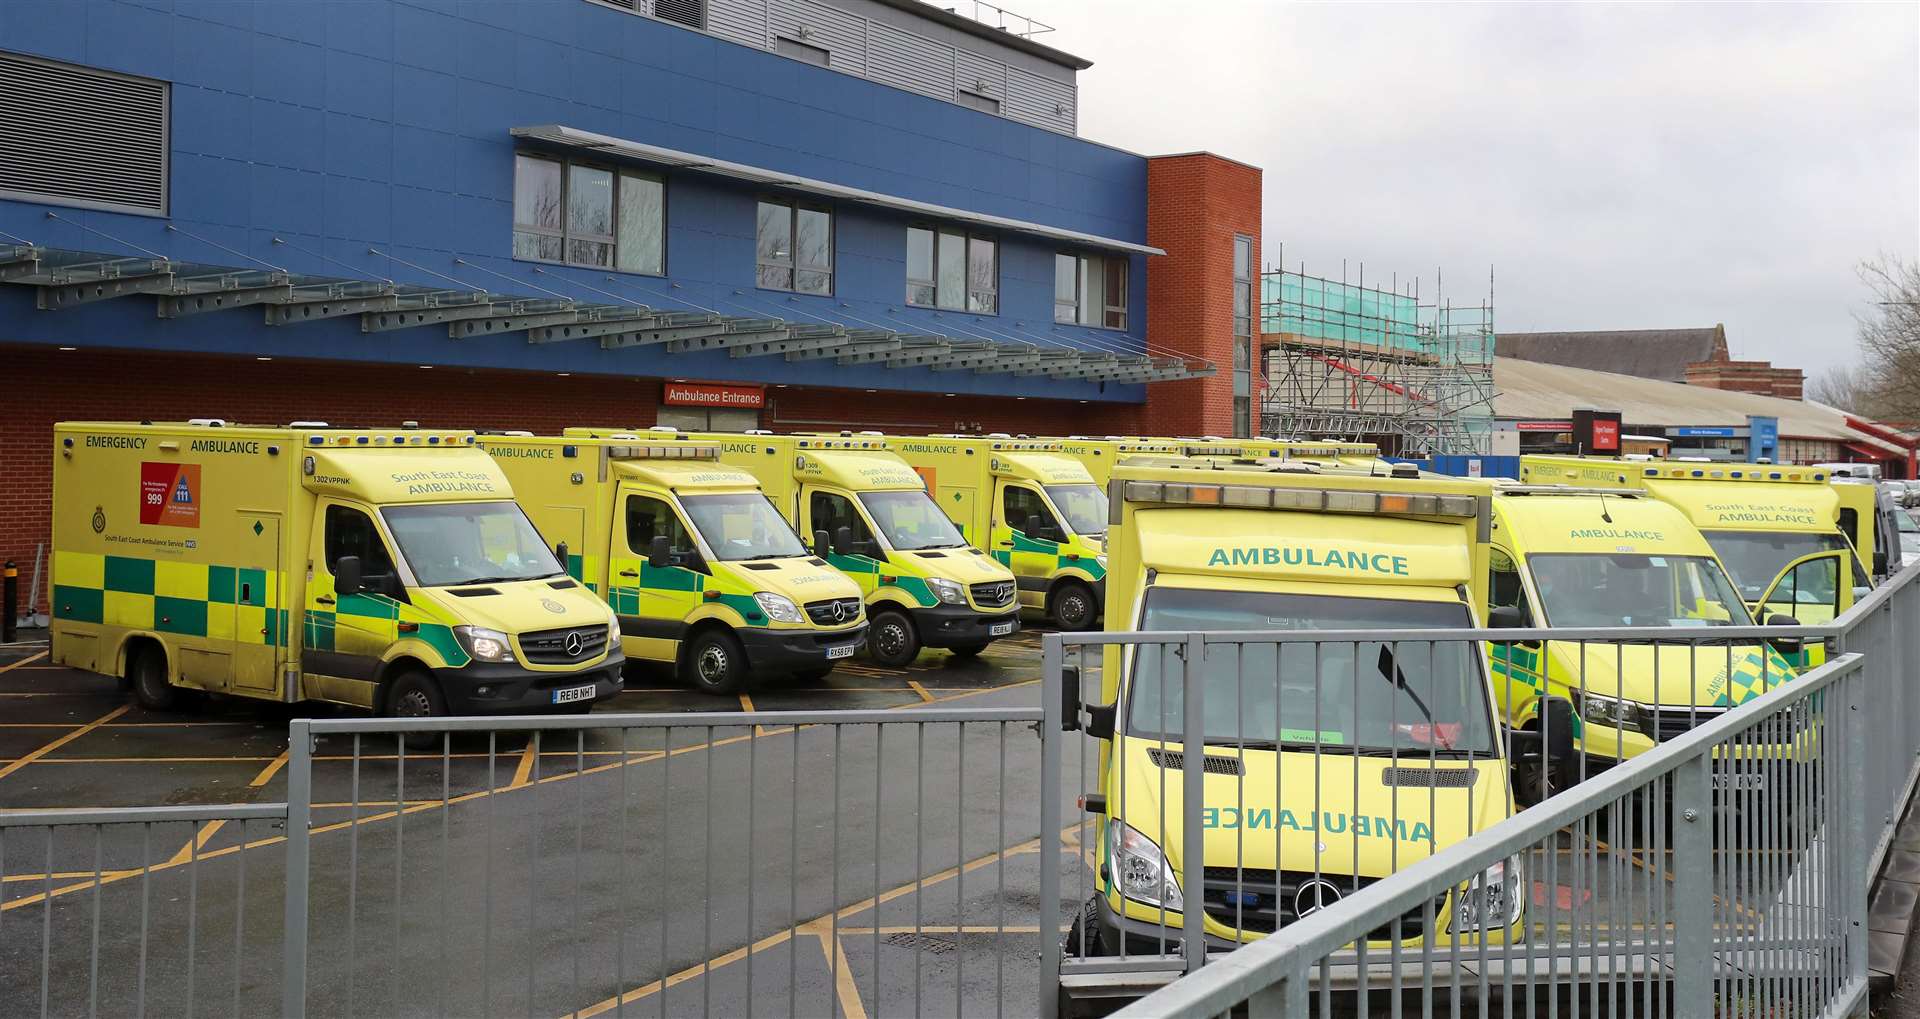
[1074,608]
[892,640]
[714,662]
[416,695]
[967,650]
[148,675]
[1084,940]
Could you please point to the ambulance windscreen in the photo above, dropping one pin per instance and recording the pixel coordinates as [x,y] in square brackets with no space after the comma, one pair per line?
[1754,558]
[742,525]
[910,520]
[1623,589]
[1400,698]
[469,543]
[1083,506]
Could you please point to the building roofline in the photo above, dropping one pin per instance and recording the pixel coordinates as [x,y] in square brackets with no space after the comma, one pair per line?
[1210,155]
[977,29]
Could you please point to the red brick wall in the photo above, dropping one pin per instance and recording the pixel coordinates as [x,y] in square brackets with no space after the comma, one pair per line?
[45,386]
[1195,205]
[1748,377]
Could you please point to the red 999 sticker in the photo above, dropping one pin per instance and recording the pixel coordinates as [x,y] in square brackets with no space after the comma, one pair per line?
[170,494]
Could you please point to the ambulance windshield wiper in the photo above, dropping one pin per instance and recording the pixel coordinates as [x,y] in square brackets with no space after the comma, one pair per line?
[1390,671]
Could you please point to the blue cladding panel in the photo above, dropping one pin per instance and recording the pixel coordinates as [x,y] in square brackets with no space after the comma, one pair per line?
[342,125]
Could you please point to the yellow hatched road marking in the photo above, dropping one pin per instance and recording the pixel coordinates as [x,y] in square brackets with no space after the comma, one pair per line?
[921,690]
[211,828]
[843,986]
[63,740]
[10,666]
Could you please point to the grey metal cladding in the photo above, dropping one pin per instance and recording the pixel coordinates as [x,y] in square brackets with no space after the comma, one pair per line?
[82,136]
[907,61]
[741,21]
[975,73]
[1037,100]
[842,35]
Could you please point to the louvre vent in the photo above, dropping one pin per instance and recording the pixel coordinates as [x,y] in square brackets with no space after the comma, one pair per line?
[691,13]
[74,134]
[1438,778]
[1174,760]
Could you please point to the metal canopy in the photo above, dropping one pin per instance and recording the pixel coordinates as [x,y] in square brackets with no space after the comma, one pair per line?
[574,138]
[64,279]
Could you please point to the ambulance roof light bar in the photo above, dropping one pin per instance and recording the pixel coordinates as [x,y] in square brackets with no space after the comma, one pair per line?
[649,451]
[1312,500]
[208,422]
[309,424]
[1502,486]
[1738,474]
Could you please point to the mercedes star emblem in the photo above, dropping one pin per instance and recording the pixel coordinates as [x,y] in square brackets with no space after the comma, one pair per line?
[573,645]
[1314,896]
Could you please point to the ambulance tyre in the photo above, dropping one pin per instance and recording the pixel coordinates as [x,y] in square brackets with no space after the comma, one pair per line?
[713,662]
[1085,926]
[416,695]
[892,641]
[147,672]
[1073,607]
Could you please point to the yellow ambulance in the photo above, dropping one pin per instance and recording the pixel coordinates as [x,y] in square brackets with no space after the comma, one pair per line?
[1761,519]
[1100,455]
[1573,557]
[703,573]
[385,569]
[1034,508]
[1327,766]
[872,519]
[1363,455]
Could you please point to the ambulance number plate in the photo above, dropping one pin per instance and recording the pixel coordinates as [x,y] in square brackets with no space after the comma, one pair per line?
[573,693]
[843,651]
[999,629]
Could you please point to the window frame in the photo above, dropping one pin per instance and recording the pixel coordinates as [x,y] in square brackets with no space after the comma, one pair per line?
[1109,310]
[1243,335]
[967,239]
[794,207]
[565,233]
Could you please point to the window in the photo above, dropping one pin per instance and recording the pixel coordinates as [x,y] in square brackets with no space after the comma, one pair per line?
[79,136]
[793,248]
[976,101]
[1507,591]
[830,512]
[708,419]
[1090,290]
[953,270]
[1025,511]
[351,533]
[647,517]
[582,214]
[801,51]
[1242,336]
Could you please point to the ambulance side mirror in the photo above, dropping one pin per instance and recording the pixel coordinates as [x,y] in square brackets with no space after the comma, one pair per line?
[821,546]
[660,552]
[346,576]
[1784,645]
[1504,617]
[843,541]
[1100,717]
[1558,720]
[560,553]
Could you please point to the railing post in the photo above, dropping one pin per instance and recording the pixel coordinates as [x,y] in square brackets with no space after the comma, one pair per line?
[1050,792]
[1693,887]
[293,1003]
[1854,857]
[1193,842]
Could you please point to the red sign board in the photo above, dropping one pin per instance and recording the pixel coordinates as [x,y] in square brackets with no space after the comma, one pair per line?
[1543,426]
[1606,435]
[711,394]
[170,494]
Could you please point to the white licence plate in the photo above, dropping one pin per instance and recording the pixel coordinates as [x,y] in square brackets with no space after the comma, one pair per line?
[1739,782]
[573,693]
[999,629]
[843,651]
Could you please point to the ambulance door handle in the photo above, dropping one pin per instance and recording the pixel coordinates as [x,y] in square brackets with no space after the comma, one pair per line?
[629,573]
[323,600]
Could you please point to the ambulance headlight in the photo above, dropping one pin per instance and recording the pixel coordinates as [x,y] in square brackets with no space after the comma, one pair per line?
[779,607]
[1141,870]
[947,591]
[1608,711]
[1493,899]
[484,644]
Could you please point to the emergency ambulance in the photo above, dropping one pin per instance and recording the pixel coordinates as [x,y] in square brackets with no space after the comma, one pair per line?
[1588,557]
[1100,455]
[1032,507]
[384,569]
[1762,521]
[872,519]
[1327,766]
[702,571]
[1363,455]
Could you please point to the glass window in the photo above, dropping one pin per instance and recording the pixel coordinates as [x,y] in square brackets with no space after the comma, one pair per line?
[570,212]
[1083,506]
[742,525]
[1090,290]
[470,543]
[1022,508]
[920,279]
[1754,558]
[1507,591]
[793,248]
[537,230]
[953,270]
[351,533]
[1114,289]
[911,520]
[647,517]
[1414,697]
[642,242]
[1624,589]
[1066,288]
[830,511]
[983,275]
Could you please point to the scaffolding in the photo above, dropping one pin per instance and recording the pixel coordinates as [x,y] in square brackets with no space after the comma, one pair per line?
[1345,361]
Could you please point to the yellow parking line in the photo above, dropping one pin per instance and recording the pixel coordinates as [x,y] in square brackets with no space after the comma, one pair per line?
[843,987]
[10,666]
[921,690]
[908,928]
[525,768]
[62,741]
[212,828]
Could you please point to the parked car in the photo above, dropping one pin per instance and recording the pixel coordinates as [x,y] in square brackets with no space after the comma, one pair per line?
[1912,494]
[1909,524]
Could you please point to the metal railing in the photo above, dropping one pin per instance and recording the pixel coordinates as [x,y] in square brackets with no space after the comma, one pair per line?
[1720,865]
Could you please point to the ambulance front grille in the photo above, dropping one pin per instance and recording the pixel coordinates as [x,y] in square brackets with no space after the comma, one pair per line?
[993,594]
[834,611]
[1674,722]
[1249,901]
[1174,760]
[551,647]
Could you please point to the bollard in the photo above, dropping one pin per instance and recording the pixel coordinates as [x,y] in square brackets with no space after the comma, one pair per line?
[9,603]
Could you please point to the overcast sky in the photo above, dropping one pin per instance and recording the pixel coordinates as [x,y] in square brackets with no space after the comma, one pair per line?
[1618,167]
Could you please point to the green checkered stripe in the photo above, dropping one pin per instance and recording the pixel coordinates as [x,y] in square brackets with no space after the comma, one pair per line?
[191,599]
[378,617]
